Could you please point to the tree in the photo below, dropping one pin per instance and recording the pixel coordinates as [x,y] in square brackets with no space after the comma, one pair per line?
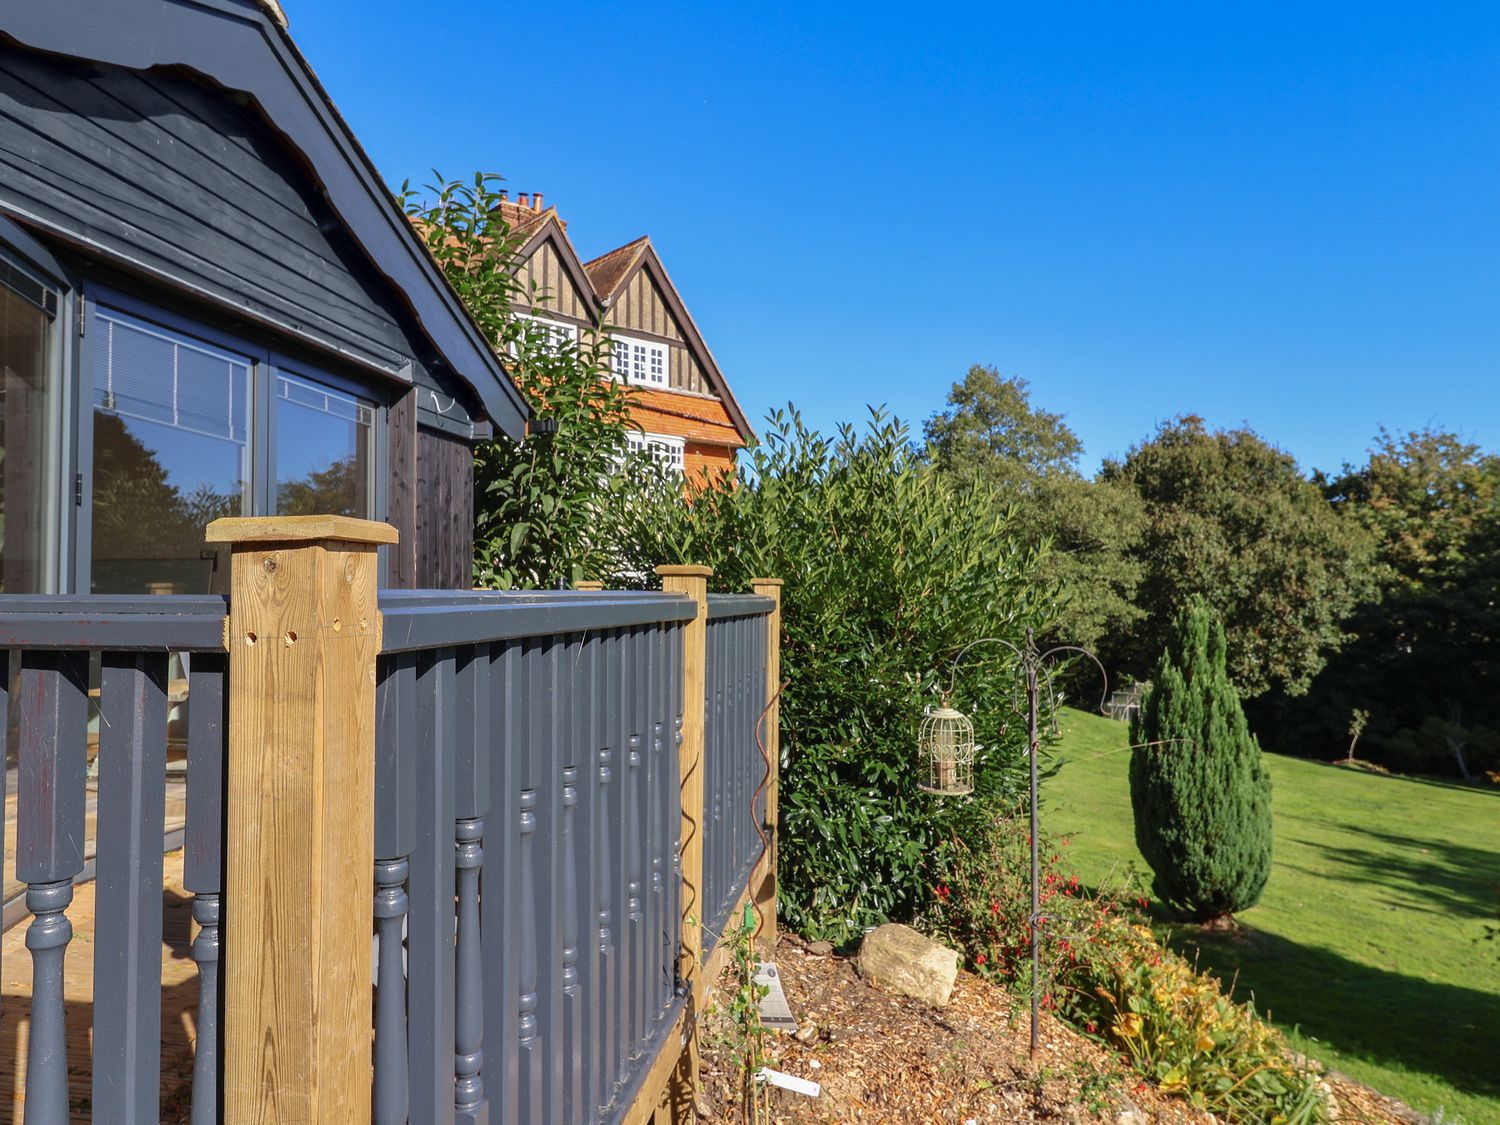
[1199,789]
[543,508]
[991,435]
[1425,663]
[889,569]
[1231,519]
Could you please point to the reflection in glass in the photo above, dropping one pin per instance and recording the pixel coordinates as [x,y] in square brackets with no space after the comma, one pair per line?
[170,455]
[322,451]
[25,388]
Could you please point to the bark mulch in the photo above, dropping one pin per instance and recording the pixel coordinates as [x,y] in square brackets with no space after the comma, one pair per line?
[885,1058]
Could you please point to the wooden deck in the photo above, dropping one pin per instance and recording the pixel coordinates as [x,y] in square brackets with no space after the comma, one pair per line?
[179,1002]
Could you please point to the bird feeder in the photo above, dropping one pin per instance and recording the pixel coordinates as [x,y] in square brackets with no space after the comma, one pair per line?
[946,745]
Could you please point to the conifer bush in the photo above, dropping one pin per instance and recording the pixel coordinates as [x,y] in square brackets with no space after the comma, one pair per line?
[1200,791]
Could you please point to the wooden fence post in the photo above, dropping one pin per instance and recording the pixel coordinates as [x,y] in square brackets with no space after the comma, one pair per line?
[765,882]
[588,584]
[692,581]
[304,631]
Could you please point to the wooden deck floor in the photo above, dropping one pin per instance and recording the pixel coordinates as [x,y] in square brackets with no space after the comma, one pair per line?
[179,1003]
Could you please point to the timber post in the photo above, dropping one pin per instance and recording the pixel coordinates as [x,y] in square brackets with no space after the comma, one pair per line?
[765,881]
[591,584]
[693,582]
[303,633]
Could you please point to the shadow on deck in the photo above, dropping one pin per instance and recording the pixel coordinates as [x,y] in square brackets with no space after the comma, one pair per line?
[179,1001]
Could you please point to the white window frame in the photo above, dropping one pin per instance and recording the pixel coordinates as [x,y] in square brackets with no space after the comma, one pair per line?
[668,450]
[646,363]
[557,330]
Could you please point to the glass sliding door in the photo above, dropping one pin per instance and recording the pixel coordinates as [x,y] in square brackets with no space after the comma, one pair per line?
[171,453]
[324,462]
[27,387]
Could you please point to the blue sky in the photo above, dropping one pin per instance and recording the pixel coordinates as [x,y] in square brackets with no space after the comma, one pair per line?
[1286,216]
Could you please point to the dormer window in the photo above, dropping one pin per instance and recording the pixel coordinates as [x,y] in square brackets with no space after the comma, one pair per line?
[642,362]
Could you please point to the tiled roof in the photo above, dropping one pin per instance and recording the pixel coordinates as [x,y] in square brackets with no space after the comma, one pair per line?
[608,270]
[693,417]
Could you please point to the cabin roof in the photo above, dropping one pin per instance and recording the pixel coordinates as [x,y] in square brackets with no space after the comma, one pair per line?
[244,46]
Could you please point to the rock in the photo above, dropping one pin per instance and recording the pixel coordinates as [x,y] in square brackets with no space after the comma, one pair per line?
[1132,1116]
[702,1108]
[820,948]
[806,1034]
[898,959]
[1330,1101]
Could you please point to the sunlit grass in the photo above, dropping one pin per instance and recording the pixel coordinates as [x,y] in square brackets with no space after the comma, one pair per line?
[1365,947]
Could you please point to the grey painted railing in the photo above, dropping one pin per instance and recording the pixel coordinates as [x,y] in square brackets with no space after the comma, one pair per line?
[49,644]
[528,790]
[734,799]
[527,878]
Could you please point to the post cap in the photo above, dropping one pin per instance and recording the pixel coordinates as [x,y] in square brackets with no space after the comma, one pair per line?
[588,584]
[767,582]
[298,529]
[684,570]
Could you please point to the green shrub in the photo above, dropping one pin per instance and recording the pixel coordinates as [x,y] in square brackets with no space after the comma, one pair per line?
[1200,791]
[543,508]
[888,570]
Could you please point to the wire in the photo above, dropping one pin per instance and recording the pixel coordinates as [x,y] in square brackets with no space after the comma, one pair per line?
[765,843]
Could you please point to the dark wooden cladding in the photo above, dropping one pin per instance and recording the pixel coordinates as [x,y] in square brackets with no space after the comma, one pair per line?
[444,516]
[562,298]
[402,495]
[165,174]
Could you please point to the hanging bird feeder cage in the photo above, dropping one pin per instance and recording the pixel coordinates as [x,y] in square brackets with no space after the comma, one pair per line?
[946,745]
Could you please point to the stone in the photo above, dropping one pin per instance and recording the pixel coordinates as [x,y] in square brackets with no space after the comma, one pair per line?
[1131,1116]
[820,948]
[895,958]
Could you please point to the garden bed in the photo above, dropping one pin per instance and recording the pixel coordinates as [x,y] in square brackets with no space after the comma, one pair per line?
[882,1058]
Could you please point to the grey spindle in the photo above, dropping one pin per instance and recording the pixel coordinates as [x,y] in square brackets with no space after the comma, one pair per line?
[472,803]
[128,897]
[656,819]
[668,775]
[391,1091]
[674,802]
[431,886]
[468,1097]
[526,1007]
[572,996]
[603,835]
[634,846]
[202,871]
[49,853]
[500,916]
[395,834]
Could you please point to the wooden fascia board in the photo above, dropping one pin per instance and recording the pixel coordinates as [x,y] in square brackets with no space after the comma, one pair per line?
[651,263]
[240,47]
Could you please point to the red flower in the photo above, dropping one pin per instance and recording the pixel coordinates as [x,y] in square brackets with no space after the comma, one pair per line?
[941,890]
[1091,1027]
[981,959]
[995,908]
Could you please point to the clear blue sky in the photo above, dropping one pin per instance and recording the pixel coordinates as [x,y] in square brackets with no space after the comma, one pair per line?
[1287,216]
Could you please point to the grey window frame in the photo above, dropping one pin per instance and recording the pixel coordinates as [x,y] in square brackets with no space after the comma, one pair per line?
[266,365]
[22,253]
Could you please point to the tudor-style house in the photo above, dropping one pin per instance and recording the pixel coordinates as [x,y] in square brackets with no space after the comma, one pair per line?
[688,416]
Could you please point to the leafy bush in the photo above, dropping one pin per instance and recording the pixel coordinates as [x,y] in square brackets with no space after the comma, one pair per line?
[544,507]
[889,569]
[1200,791]
[1103,971]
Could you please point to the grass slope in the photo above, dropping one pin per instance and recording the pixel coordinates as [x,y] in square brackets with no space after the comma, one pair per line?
[1364,946]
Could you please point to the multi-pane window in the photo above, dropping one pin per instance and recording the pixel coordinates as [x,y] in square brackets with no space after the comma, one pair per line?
[640,361]
[669,451]
[323,450]
[557,333]
[171,453]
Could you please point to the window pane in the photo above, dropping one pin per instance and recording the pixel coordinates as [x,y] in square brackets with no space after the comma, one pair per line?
[25,390]
[322,451]
[170,455]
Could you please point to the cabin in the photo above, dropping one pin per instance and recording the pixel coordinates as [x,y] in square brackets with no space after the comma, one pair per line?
[212,306]
[687,414]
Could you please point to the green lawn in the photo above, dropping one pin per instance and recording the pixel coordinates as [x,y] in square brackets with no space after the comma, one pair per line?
[1364,947]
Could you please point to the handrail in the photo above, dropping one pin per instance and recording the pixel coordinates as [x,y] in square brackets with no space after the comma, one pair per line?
[721,606]
[156,623]
[426,619]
